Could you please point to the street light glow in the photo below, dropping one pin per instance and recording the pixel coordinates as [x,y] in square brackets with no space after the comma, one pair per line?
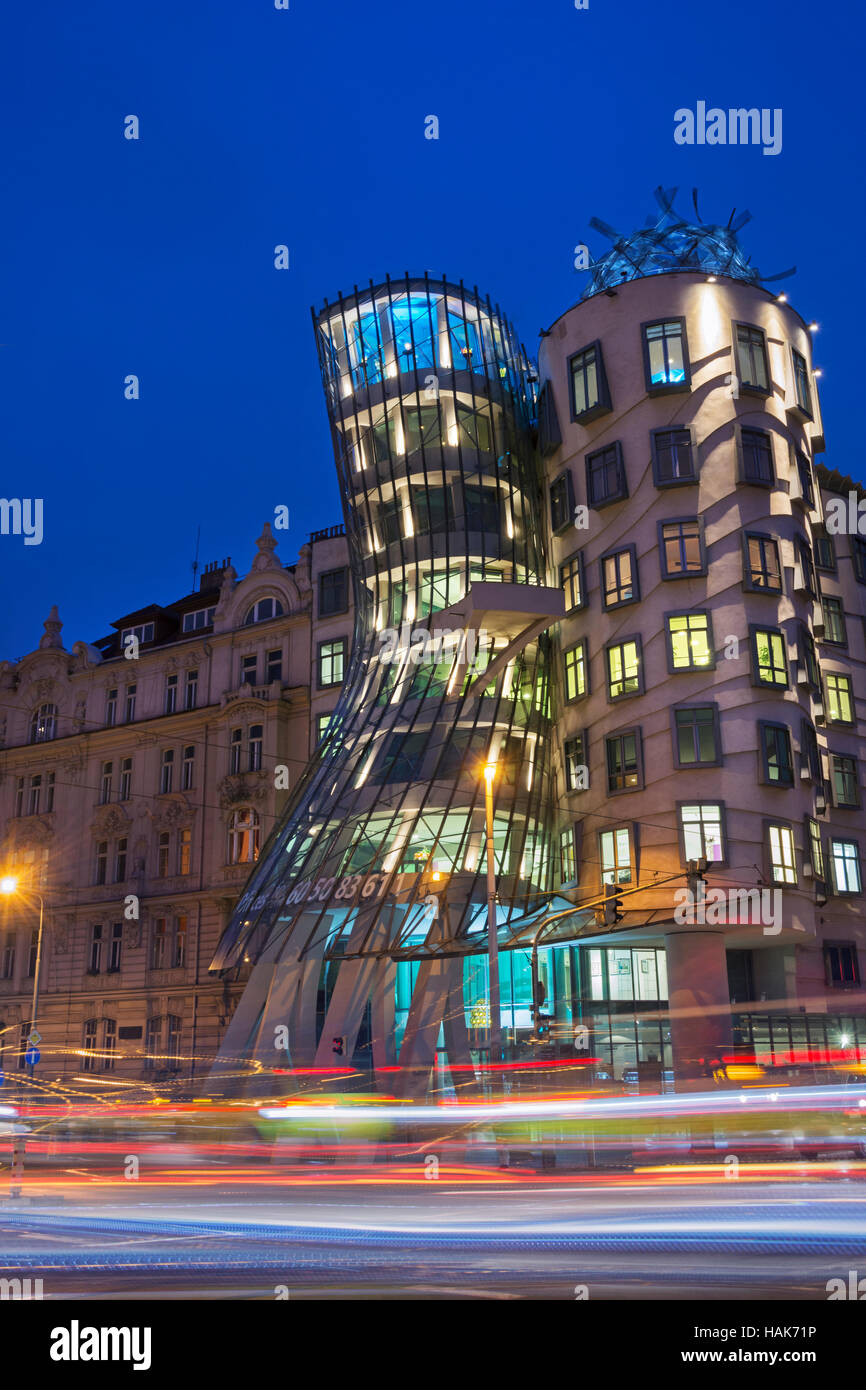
[490,770]
[8,885]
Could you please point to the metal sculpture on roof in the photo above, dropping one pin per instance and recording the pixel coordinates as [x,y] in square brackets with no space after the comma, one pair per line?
[669,242]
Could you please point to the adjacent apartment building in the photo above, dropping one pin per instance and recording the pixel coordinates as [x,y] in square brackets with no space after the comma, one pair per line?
[140,776]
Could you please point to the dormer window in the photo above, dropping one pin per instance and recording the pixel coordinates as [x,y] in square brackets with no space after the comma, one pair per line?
[143,633]
[43,725]
[202,617]
[263,610]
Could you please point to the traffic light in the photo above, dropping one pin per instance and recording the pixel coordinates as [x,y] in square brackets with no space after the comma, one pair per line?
[695,871]
[610,912]
[337,1045]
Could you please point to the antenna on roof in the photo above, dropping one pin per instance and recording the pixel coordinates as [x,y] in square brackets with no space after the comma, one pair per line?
[195,561]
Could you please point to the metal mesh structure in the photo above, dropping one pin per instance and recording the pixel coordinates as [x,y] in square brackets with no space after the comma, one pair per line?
[431,401]
[670,242]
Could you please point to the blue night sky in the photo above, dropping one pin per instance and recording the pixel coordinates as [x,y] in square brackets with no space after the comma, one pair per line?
[306,127]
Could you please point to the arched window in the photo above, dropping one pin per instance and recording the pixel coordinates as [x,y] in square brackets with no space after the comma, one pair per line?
[265,608]
[244,835]
[43,725]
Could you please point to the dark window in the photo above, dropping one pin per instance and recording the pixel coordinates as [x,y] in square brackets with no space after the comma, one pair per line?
[841,966]
[619,578]
[249,669]
[432,510]
[858,558]
[624,761]
[191,690]
[681,544]
[816,848]
[756,458]
[752,359]
[131,692]
[390,529]
[834,622]
[690,641]
[673,458]
[807,482]
[778,767]
[576,671]
[166,770]
[273,667]
[576,762]
[697,735]
[170,694]
[806,577]
[561,501]
[763,568]
[422,429]
[605,476]
[116,947]
[572,582]
[825,550]
[101,862]
[808,659]
[769,657]
[332,662]
[589,394]
[110,708]
[810,758]
[624,668]
[482,509]
[403,757]
[843,772]
[666,355]
[801,383]
[549,433]
[333,592]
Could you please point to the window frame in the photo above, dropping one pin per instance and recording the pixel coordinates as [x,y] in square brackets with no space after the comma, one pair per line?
[839,676]
[749,585]
[609,647]
[744,479]
[842,642]
[805,408]
[622,493]
[630,827]
[342,642]
[669,644]
[666,574]
[563,480]
[343,571]
[578,561]
[658,480]
[773,631]
[786,826]
[718,760]
[666,388]
[747,386]
[679,806]
[617,736]
[582,644]
[764,725]
[603,405]
[831,844]
[631,551]
[580,736]
[834,758]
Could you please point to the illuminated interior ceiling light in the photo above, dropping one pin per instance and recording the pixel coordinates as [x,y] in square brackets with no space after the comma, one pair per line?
[781,298]
[711,279]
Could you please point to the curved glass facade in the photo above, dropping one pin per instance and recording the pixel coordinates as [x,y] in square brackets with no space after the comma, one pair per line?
[431,405]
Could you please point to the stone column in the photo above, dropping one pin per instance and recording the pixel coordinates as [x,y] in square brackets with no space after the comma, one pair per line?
[700,1009]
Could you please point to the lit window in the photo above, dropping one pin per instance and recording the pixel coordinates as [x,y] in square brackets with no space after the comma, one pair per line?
[702,834]
[43,725]
[782,863]
[567,859]
[624,669]
[571,580]
[619,578]
[840,698]
[332,662]
[575,668]
[615,852]
[184,850]
[845,861]
[666,358]
[575,762]
[769,657]
[689,642]
[243,838]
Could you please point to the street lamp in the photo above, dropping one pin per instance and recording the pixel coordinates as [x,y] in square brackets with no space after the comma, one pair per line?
[494,1036]
[9,886]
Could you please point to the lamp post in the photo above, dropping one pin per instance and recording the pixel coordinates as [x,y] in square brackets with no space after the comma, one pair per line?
[9,886]
[494,1035]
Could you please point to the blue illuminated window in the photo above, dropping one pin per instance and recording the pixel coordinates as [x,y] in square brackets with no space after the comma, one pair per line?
[666,355]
